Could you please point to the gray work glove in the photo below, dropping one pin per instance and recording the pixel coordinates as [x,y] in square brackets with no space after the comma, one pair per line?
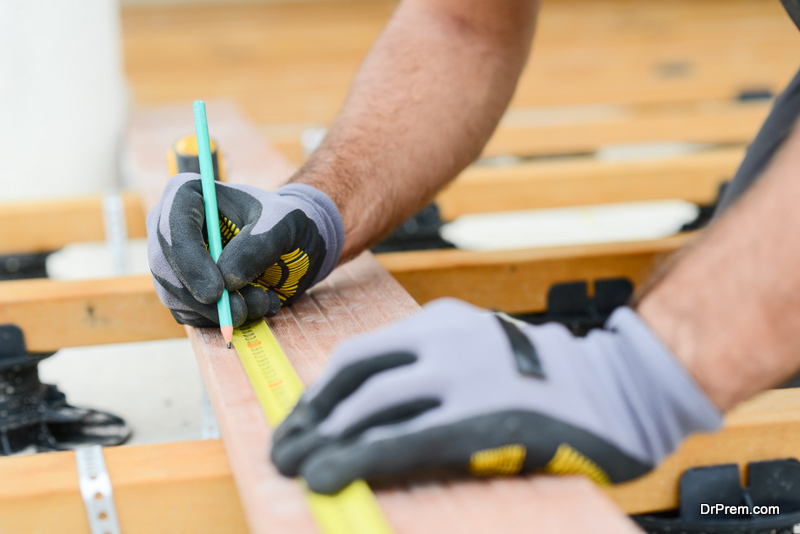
[457,389]
[276,245]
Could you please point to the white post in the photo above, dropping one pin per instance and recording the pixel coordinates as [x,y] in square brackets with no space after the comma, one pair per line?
[63,98]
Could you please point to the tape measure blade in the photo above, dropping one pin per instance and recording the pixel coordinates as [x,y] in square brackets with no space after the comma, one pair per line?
[274,380]
[354,510]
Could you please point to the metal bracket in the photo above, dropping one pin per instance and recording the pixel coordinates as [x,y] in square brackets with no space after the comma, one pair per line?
[95,484]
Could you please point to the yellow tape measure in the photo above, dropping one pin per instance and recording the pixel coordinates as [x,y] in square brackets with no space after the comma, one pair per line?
[354,510]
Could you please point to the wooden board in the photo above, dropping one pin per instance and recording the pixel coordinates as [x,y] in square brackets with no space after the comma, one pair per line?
[481,188]
[45,226]
[583,181]
[292,63]
[359,297]
[54,314]
[574,181]
[170,488]
[188,487]
[766,427]
[57,314]
[523,132]
[585,129]
[289,65]
[517,281]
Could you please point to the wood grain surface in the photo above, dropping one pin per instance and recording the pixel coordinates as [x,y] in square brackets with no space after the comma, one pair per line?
[600,72]
[54,314]
[579,181]
[169,488]
[517,281]
[523,185]
[37,226]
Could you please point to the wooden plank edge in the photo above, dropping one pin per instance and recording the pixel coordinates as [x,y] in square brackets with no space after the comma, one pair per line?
[766,427]
[584,181]
[517,281]
[43,226]
[158,489]
[56,314]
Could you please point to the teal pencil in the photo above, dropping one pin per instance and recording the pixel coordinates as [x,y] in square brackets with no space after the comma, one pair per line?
[212,212]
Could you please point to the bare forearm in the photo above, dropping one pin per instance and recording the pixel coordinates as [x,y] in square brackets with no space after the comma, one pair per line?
[730,307]
[424,103]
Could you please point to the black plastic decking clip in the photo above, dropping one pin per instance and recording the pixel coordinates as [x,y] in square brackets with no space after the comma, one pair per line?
[713,500]
[570,304]
[37,416]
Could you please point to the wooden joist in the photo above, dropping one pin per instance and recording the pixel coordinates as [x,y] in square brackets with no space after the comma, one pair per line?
[580,130]
[289,67]
[292,63]
[158,489]
[57,314]
[44,226]
[766,427]
[583,181]
[517,281]
[523,133]
[695,177]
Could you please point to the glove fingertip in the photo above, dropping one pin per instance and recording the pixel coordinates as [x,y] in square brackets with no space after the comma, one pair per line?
[279,456]
[326,475]
[274,304]
[208,290]
[291,453]
[238,309]
[234,280]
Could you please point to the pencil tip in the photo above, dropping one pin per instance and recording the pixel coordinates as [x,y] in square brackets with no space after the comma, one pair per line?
[227,334]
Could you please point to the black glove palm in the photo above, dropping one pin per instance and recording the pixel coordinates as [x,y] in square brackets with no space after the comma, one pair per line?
[276,246]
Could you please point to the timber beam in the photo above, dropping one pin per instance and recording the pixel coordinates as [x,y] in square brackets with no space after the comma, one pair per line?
[158,489]
[575,181]
[543,132]
[55,314]
[579,181]
[188,487]
[767,427]
[27,227]
[517,281]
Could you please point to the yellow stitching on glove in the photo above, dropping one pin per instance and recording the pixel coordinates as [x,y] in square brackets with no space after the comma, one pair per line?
[228,230]
[568,461]
[284,276]
[501,461]
[271,277]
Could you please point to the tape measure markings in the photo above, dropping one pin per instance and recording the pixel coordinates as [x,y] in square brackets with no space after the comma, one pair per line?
[354,510]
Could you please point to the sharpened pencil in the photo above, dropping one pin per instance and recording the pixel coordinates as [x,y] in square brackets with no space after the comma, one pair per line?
[212,212]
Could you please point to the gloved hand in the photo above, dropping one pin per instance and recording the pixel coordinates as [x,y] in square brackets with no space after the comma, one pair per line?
[276,245]
[459,389]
